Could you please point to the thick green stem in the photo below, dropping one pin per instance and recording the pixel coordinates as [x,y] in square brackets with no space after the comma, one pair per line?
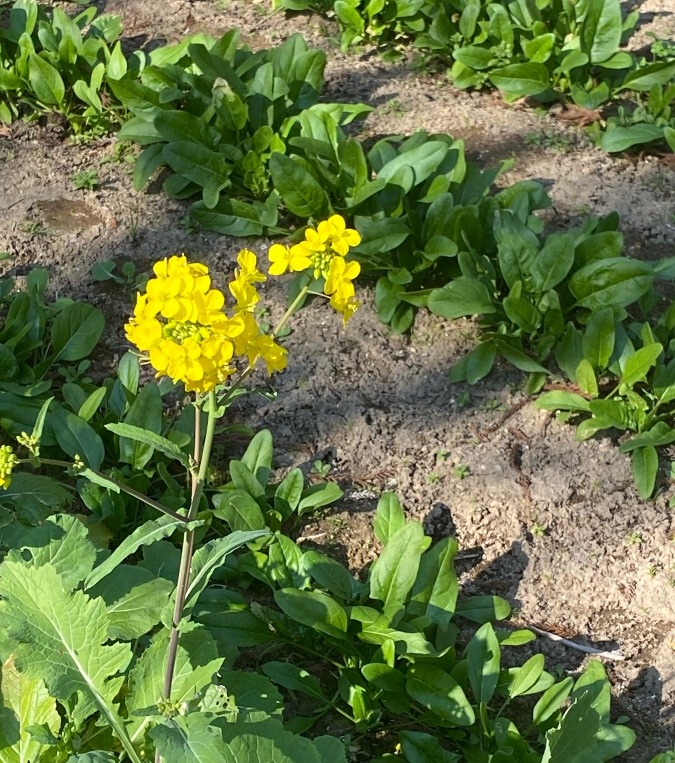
[202,456]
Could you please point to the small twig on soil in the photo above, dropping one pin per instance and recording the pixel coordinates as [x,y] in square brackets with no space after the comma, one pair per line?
[468,555]
[304,538]
[574,645]
[487,433]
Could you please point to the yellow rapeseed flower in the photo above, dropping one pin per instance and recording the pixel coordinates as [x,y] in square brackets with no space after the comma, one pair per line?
[340,237]
[285,258]
[181,326]
[323,251]
[7,463]
[241,287]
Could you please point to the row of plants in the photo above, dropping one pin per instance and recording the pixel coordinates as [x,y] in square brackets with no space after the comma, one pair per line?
[554,50]
[247,133]
[178,617]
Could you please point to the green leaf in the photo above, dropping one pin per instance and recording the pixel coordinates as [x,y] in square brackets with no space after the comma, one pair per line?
[58,637]
[25,703]
[474,57]
[638,364]
[266,741]
[526,676]
[393,573]
[151,439]
[45,80]
[660,434]
[294,678]
[62,542]
[376,629]
[424,748]
[146,414]
[209,557]
[197,662]
[554,262]
[302,194]
[483,609]
[255,696]
[552,700]
[76,437]
[288,493]
[389,517]
[586,378]
[313,608]
[559,400]
[230,217]
[620,138]
[520,80]
[199,165]
[476,365]
[318,496]
[330,574]
[645,77]
[645,465]
[522,313]
[35,494]
[9,366]
[611,283]
[191,739]
[75,331]
[148,533]
[258,456]
[598,340]
[434,593]
[244,480]
[483,656]
[438,691]
[461,297]
[89,407]
[239,510]
[601,29]
[518,358]
[423,161]
[137,610]
[539,49]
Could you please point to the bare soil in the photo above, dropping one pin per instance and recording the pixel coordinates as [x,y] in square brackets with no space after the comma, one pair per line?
[552,524]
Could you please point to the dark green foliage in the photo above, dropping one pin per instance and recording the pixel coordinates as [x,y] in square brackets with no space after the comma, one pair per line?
[52,63]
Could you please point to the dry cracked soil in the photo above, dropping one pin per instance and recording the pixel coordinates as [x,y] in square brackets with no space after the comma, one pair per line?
[553,525]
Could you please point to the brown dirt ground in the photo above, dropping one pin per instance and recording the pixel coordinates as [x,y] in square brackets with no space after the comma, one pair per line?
[380,408]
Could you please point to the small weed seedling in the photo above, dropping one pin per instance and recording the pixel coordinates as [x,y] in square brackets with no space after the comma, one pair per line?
[461,471]
[548,139]
[393,108]
[634,539]
[433,478]
[539,531]
[33,228]
[86,180]
[321,468]
[107,271]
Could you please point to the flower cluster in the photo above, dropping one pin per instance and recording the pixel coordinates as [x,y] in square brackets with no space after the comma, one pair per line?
[7,463]
[180,323]
[324,250]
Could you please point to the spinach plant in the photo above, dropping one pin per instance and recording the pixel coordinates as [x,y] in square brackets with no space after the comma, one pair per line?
[397,660]
[441,211]
[49,63]
[533,293]
[549,50]
[219,117]
[625,375]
